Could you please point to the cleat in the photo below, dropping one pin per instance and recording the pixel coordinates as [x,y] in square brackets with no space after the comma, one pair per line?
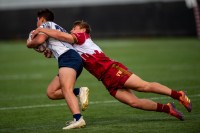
[75,124]
[174,112]
[84,93]
[185,101]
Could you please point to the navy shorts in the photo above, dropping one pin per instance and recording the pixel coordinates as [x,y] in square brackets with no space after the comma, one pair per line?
[71,59]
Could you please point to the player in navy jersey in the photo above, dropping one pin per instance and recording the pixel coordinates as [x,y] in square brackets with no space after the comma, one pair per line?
[118,80]
[70,67]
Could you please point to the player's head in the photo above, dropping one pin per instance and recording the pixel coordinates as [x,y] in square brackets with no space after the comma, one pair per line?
[44,15]
[81,26]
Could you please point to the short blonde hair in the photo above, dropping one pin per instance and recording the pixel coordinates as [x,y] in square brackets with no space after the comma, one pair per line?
[83,25]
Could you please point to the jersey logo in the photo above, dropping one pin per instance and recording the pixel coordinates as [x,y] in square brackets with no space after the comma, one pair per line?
[119,73]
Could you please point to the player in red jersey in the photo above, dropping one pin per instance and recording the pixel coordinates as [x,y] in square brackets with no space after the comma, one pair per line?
[118,80]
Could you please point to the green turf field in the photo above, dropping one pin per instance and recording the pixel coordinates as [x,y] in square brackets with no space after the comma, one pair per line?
[25,74]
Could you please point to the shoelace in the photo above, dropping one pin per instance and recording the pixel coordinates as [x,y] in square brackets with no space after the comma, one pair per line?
[69,122]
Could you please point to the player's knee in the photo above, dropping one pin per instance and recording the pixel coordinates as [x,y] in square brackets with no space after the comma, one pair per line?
[154,85]
[134,104]
[148,87]
[50,94]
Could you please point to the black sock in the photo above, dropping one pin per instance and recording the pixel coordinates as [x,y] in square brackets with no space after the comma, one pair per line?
[76,91]
[77,116]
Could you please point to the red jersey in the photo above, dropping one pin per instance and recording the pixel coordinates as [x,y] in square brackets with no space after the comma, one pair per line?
[113,74]
[95,61]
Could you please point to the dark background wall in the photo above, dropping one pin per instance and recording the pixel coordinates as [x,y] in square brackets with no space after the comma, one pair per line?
[128,20]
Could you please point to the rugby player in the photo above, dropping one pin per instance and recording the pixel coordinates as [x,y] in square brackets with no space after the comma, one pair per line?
[70,67]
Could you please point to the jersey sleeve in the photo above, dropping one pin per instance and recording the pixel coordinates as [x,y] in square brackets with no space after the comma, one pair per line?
[45,25]
[80,38]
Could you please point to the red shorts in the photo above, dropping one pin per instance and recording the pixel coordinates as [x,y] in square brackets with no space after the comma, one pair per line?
[115,77]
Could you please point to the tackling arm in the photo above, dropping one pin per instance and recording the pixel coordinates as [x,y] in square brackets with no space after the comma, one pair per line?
[62,36]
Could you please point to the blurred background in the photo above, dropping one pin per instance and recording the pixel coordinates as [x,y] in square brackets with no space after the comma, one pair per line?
[108,18]
[155,39]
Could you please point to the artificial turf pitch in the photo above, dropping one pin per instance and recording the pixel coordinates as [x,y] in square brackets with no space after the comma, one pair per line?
[25,74]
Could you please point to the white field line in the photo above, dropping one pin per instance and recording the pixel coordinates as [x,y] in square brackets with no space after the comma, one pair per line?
[64,104]
[20,77]
[51,105]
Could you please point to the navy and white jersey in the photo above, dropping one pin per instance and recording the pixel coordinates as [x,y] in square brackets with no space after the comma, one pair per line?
[56,46]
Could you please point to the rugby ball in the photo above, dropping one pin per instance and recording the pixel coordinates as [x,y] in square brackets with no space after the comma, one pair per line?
[41,48]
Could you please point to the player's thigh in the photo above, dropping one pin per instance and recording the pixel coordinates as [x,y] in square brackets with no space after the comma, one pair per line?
[67,77]
[134,82]
[126,96]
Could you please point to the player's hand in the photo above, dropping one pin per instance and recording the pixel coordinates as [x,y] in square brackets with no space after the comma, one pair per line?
[28,41]
[35,32]
[47,53]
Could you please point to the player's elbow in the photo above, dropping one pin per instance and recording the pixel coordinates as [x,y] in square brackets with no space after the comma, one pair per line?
[32,45]
[28,46]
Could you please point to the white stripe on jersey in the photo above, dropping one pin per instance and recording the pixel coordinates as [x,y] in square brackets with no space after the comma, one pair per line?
[88,47]
[56,46]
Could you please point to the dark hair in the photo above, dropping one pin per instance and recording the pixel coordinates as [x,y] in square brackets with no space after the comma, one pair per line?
[47,14]
[82,25]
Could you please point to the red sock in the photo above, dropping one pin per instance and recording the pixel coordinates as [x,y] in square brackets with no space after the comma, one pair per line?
[175,95]
[162,108]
